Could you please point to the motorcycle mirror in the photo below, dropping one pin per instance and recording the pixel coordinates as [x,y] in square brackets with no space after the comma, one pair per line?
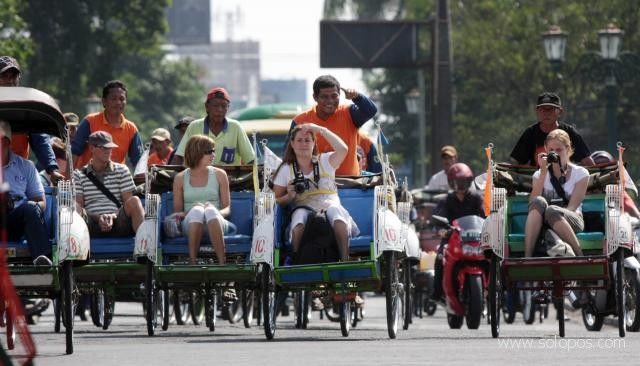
[439,220]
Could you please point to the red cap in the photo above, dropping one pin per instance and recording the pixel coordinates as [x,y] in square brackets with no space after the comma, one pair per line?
[218,93]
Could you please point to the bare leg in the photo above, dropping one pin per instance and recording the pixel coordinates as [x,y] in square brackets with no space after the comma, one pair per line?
[133,208]
[217,239]
[296,236]
[565,232]
[194,236]
[342,237]
[531,232]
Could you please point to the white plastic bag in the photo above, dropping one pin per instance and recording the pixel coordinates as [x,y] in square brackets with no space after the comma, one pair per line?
[172,226]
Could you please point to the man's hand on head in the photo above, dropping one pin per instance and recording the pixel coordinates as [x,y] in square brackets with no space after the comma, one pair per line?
[350,94]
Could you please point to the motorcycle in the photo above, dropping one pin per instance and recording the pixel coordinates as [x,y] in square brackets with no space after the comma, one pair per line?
[465,273]
[602,302]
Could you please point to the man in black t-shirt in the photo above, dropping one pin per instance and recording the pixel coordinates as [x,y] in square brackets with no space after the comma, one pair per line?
[461,202]
[531,142]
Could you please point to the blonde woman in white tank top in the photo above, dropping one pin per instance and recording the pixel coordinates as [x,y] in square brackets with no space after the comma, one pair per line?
[201,197]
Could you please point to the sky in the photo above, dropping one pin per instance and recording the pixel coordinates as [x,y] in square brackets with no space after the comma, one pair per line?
[289,36]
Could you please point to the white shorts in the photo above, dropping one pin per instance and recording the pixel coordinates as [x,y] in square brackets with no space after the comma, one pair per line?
[204,214]
[334,213]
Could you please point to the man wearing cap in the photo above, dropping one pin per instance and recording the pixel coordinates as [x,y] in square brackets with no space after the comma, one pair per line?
[181,126]
[160,147]
[343,120]
[40,142]
[72,120]
[26,200]
[112,120]
[232,144]
[438,181]
[531,142]
[118,213]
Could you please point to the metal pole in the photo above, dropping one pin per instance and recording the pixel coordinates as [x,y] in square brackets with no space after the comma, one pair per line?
[422,130]
[441,90]
[611,112]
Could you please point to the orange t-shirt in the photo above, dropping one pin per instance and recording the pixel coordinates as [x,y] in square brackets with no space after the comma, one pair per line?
[154,159]
[122,136]
[342,125]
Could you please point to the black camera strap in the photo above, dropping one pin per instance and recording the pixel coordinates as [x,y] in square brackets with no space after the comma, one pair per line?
[557,186]
[316,170]
[101,187]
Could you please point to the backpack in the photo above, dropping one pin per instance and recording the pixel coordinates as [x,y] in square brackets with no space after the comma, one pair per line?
[318,243]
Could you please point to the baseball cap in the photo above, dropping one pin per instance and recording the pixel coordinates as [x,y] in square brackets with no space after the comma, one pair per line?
[160,134]
[186,120]
[218,93]
[71,119]
[448,150]
[548,98]
[101,138]
[5,129]
[8,62]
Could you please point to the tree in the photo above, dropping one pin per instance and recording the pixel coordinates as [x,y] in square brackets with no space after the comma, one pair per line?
[14,36]
[70,49]
[500,68]
[80,45]
[171,92]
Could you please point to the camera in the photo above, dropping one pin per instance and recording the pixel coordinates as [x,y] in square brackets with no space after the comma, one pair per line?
[11,202]
[552,157]
[300,183]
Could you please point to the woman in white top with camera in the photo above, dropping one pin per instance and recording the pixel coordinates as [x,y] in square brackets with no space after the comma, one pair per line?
[559,187]
[307,178]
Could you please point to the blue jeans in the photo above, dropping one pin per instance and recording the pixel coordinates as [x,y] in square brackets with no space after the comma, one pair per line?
[28,220]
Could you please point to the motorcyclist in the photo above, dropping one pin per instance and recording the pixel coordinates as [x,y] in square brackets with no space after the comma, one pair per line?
[460,202]
[603,157]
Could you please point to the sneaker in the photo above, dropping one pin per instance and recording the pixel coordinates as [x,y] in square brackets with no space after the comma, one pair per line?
[316,304]
[229,295]
[561,249]
[42,260]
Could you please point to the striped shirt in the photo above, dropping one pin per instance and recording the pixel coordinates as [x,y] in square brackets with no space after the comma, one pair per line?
[116,178]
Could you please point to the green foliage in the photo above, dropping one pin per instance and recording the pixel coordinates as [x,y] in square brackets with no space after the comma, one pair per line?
[500,68]
[171,91]
[14,37]
[75,47]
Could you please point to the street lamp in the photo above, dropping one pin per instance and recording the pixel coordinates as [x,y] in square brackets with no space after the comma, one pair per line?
[555,42]
[414,100]
[610,41]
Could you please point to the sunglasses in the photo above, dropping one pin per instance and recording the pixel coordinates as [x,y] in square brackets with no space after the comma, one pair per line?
[209,152]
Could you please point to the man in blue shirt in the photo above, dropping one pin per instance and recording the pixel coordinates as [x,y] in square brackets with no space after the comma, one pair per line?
[40,142]
[26,200]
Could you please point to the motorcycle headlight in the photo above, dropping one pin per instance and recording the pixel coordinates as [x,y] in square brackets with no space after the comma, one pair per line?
[471,250]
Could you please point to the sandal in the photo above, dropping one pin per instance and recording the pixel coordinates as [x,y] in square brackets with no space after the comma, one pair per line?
[229,295]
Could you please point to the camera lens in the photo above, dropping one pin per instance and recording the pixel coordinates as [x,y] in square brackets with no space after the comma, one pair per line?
[300,187]
[552,157]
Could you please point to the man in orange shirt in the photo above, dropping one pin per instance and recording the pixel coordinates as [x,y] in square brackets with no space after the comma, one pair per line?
[343,120]
[368,154]
[125,133]
[160,147]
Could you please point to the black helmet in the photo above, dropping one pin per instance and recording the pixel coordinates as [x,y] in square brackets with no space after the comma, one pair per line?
[602,157]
